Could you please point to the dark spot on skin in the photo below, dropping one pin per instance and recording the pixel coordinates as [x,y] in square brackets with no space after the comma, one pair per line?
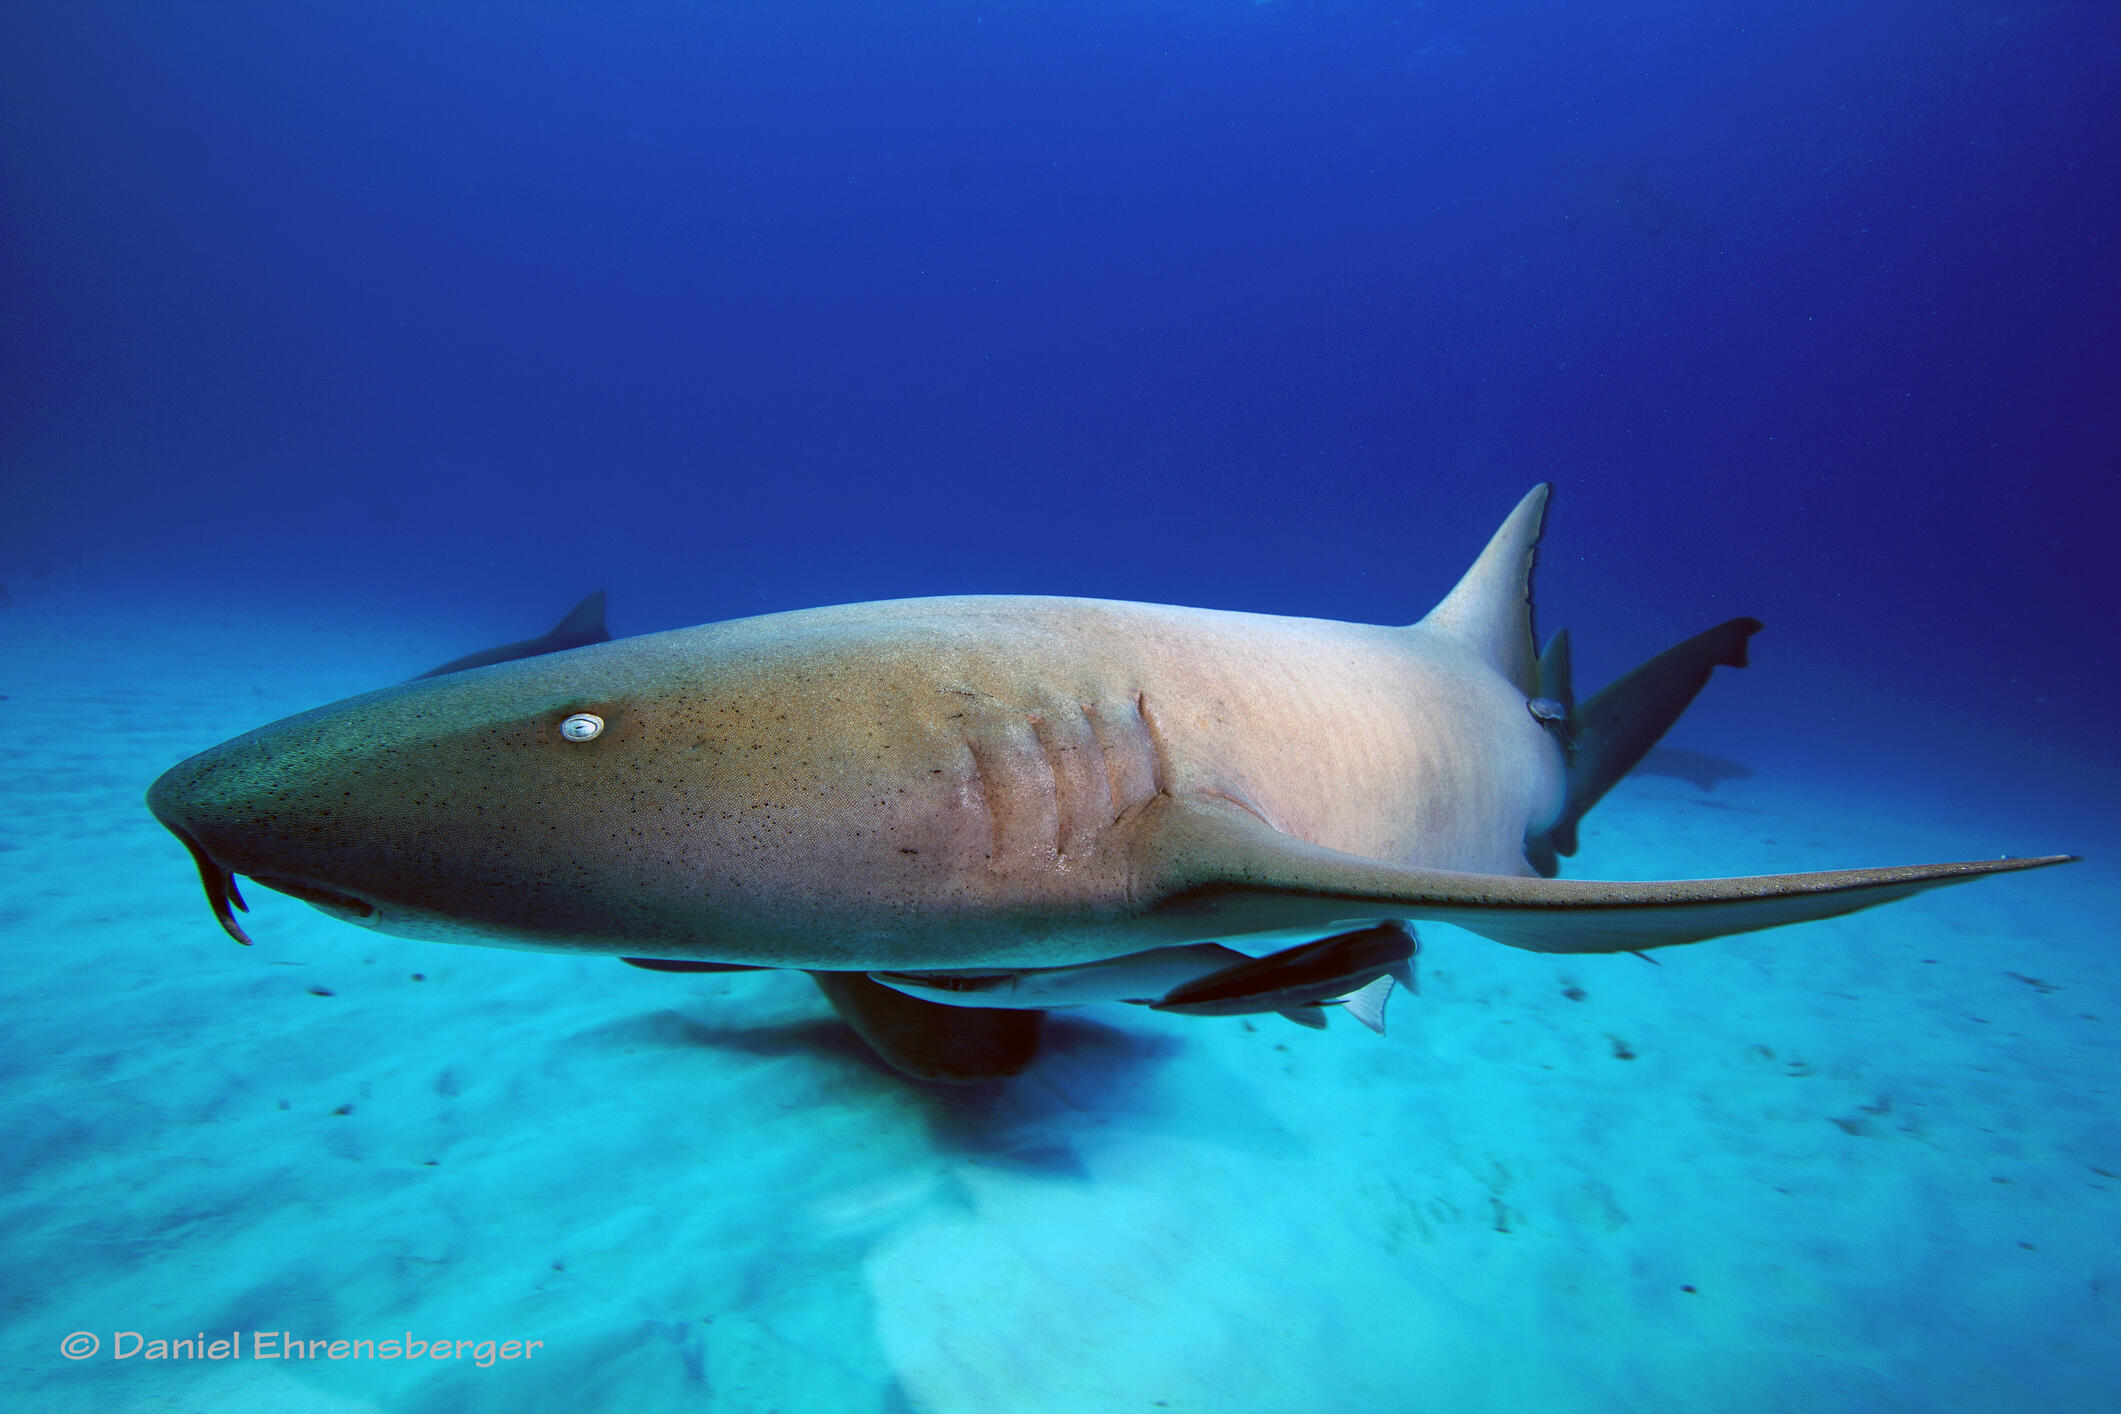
[320,991]
[343,1110]
[1688,1290]
[903,850]
[1574,994]
[419,977]
[1621,1049]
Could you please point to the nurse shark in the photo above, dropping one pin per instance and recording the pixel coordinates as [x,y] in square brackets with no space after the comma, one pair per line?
[957,812]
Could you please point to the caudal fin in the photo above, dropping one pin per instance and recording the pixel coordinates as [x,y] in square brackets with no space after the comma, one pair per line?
[1608,735]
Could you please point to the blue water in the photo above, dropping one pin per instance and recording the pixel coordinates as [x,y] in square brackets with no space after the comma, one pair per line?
[403,325]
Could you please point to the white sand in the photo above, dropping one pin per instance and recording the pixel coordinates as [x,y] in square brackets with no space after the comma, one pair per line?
[1883,1164]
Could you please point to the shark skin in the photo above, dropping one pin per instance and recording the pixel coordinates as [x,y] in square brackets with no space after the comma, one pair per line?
[973,783]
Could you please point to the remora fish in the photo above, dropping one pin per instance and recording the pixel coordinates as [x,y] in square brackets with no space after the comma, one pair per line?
[991,785]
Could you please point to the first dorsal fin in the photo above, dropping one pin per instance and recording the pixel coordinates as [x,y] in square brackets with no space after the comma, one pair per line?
[1491,607]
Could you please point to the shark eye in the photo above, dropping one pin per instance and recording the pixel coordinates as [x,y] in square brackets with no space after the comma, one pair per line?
[582,726]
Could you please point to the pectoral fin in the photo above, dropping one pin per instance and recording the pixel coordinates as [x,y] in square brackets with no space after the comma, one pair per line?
[955,1045]
[1210,869]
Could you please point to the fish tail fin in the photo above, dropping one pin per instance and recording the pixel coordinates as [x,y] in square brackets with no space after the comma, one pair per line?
[1609,733]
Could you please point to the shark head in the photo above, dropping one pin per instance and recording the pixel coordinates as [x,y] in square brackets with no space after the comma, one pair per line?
[710,794]
[477,806]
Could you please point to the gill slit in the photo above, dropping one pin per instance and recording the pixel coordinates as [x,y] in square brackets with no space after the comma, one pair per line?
[989,801]
[1159,776]
[1050,748]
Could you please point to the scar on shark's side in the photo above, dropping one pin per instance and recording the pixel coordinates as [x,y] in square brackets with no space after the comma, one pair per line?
[893,798]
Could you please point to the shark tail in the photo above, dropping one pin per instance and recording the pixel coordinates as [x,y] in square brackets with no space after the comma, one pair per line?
[1606,736]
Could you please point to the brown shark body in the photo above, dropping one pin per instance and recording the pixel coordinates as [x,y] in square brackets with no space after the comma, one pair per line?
[939,785]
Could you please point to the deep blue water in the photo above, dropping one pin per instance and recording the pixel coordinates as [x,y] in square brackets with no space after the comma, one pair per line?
[1810,312]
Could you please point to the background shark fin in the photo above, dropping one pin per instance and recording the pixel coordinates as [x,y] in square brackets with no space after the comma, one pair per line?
[1616,726]
[1491,607]
[578,628]
[1212,870]
[584,623]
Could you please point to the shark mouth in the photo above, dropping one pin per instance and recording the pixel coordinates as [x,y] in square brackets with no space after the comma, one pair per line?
[341,906]
[227,901]
[221,892]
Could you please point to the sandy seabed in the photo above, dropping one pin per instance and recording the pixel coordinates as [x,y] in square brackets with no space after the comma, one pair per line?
[1862,1165]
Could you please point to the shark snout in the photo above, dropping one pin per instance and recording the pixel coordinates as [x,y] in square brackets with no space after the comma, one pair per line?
[210,804]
